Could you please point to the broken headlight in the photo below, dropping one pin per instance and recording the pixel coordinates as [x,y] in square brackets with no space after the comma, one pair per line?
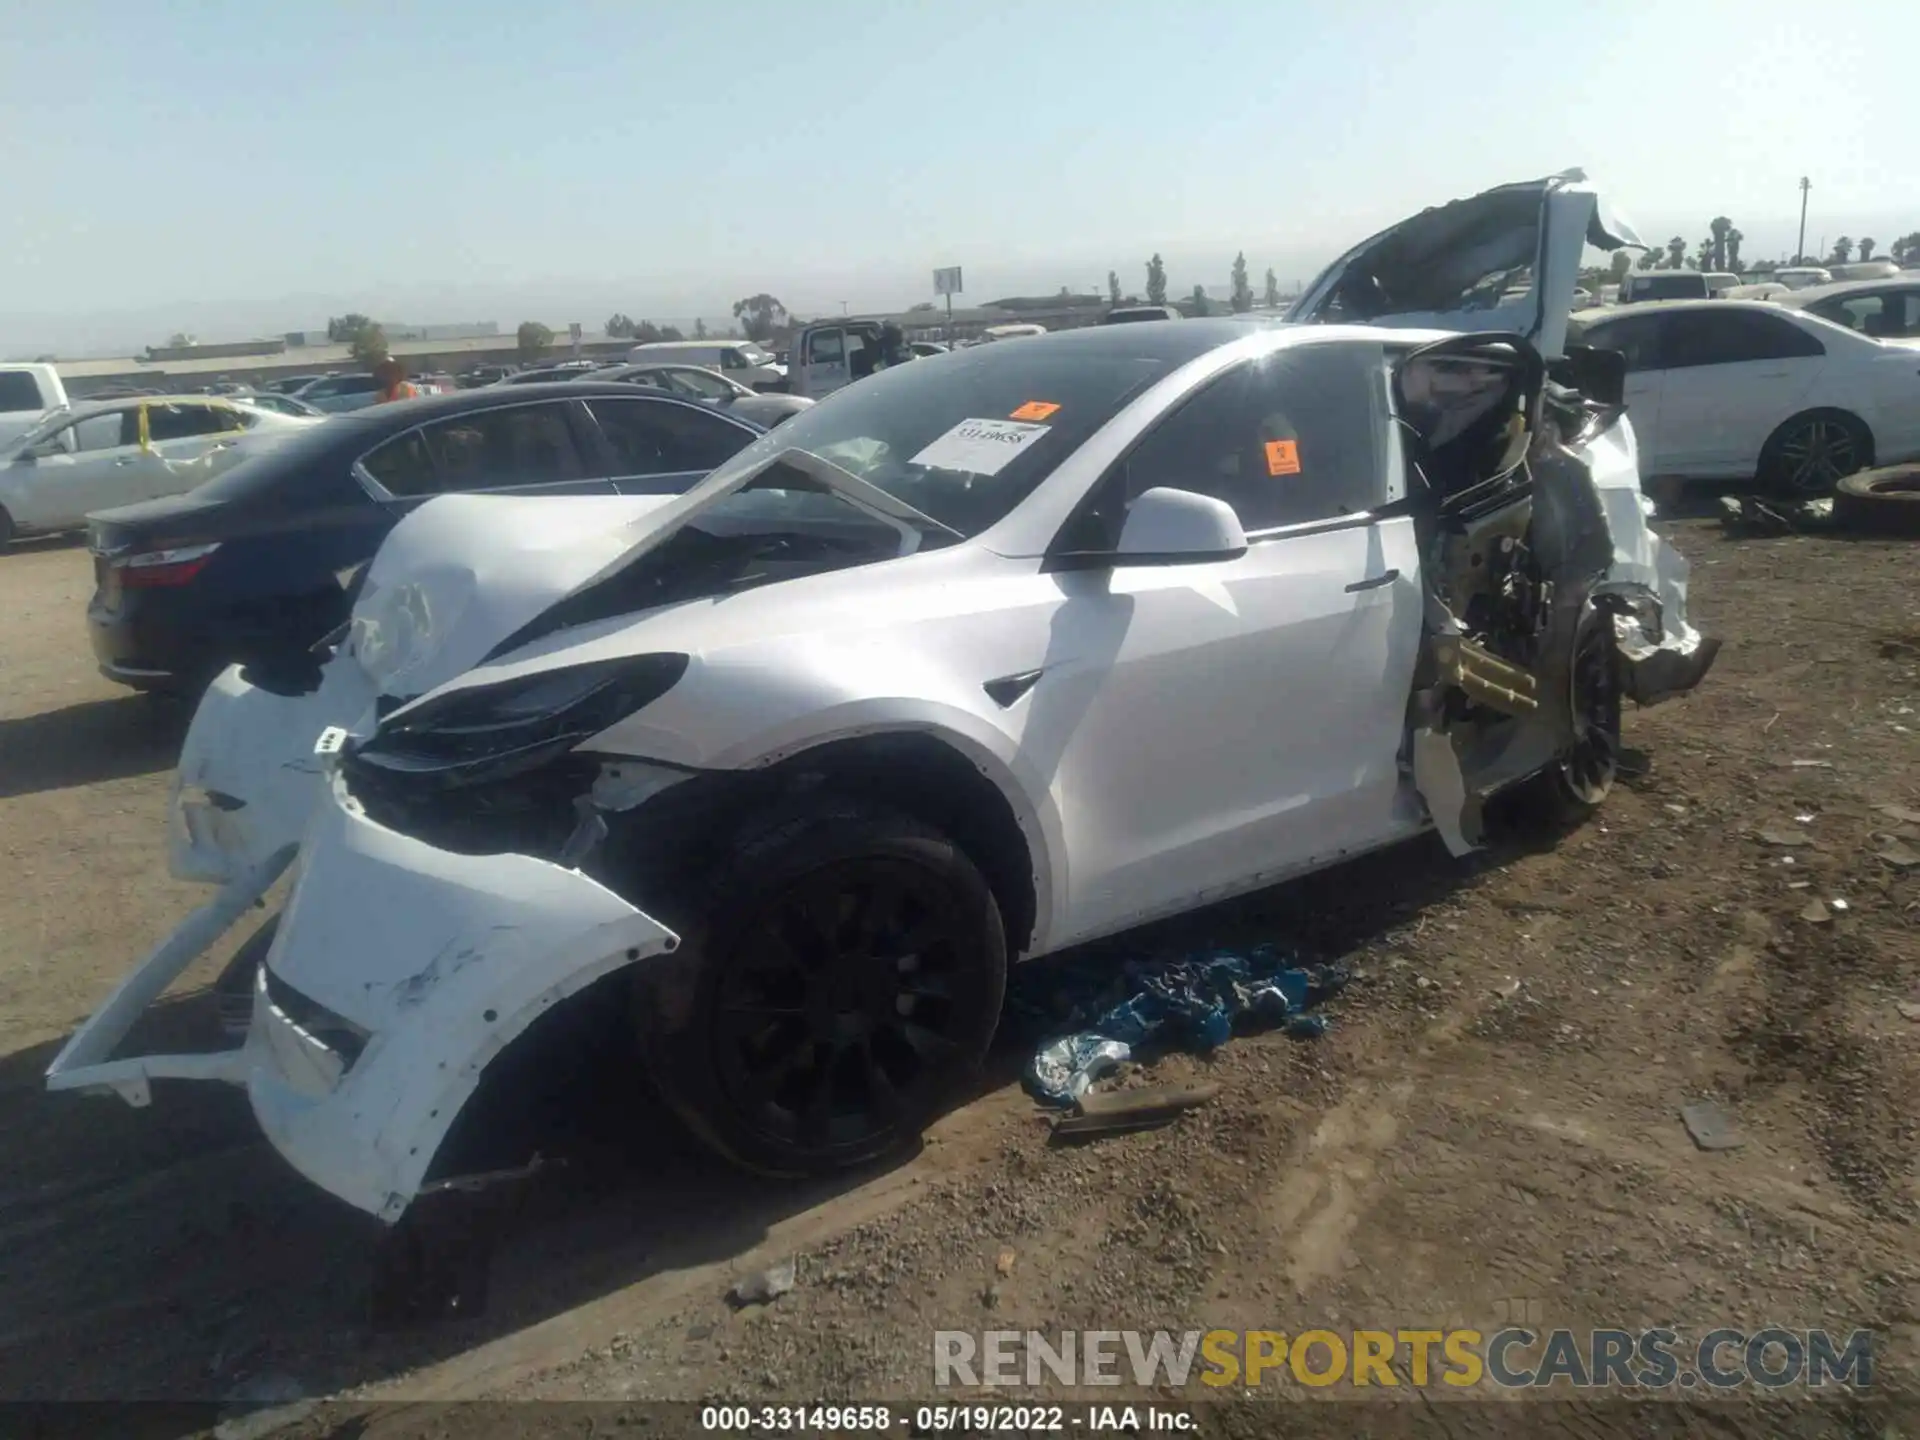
[494,732]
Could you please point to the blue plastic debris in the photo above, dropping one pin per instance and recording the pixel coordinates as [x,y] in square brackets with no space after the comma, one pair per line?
[1191,1002]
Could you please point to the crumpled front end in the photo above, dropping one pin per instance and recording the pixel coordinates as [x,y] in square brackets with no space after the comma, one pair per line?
[248,778]
[1661,653]
[413,967]
[397,973]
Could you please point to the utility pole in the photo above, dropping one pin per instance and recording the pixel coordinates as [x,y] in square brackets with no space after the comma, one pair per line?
[1800,254]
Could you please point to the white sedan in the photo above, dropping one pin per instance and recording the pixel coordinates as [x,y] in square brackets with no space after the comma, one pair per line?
[102,454]
[1737,389]
[989,655]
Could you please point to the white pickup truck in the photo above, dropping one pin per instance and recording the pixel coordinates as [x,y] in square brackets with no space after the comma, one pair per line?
[27,393]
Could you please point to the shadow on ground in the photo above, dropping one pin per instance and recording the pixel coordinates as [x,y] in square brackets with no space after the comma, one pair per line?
[94,740]
[166,1253]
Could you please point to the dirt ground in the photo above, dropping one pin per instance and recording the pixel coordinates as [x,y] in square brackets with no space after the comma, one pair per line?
[1491,1121]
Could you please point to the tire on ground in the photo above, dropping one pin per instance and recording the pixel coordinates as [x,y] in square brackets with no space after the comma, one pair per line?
[1885,501]
[681,1000]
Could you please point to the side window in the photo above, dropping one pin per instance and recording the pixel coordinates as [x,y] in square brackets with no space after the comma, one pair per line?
[182,422]
[732,360]
[515,445]
[1729,337]
[649,438]
[19,393]
[106,432]
[1295,437]
[404,466]
[1637,338]
[355,385]
[826,347]
[702,384]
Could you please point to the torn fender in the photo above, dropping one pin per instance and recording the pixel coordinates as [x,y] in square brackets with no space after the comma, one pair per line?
[248,779]
[442,960]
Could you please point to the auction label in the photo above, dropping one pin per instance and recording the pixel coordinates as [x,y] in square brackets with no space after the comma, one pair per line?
[980,447]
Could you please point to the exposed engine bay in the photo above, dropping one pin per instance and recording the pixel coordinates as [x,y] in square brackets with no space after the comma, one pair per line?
[1516,551]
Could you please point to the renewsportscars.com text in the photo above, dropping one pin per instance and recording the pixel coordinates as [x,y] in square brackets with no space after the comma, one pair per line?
[1514,1358]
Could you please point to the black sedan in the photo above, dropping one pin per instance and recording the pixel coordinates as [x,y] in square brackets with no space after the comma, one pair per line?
[257,566]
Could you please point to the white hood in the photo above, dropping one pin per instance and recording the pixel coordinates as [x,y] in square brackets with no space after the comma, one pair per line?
[464,571]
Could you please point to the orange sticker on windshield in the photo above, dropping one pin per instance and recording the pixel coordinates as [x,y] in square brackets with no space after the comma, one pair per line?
[1283,457]
[1034,410]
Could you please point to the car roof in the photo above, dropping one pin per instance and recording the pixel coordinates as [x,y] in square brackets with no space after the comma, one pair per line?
[81,409]
[401,414]
[1840,289]
[1664,307]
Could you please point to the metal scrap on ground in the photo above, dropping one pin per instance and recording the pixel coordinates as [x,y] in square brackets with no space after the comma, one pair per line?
[1189,1003]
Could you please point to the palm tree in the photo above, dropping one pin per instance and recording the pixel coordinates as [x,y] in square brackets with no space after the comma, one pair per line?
[1721,227]
[1676,252]
[1734,237]
[1842,250]
[1867,245]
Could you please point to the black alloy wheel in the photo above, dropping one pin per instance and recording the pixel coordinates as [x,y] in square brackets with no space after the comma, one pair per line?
[848,976]
[837,1004]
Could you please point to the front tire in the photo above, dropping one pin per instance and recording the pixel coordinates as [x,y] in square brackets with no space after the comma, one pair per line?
[844,976]
[7,530]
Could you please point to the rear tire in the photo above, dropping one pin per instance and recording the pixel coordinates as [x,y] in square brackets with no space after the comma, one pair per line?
[7,531]
[1811,453]
[843,978]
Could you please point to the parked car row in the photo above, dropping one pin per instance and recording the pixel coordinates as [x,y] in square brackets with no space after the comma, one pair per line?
[1727,389]
[984,656]
[98,454]
[258,566]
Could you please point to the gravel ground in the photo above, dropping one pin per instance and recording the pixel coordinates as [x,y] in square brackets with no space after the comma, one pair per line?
[1492,1121]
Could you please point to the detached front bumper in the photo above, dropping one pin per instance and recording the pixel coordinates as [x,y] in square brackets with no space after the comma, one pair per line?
[248,780]
[398,972]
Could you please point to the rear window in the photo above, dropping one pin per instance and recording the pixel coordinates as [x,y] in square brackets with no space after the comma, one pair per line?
[20,392]
[1669,287]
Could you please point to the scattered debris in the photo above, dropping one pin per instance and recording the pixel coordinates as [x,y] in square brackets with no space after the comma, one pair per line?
[763,1287]
[1909,1008]
[1900,813]
[1777,835]
[1811,764]
[1709,1126]
[1816,913]
[1840,907]
[1004,1261]
[1191,1002]
[1508,987]
[1753,515]
[1124,1111]
[1899,855]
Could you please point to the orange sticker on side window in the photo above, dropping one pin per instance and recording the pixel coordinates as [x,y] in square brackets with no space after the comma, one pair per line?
[1283,457]
[1034,410]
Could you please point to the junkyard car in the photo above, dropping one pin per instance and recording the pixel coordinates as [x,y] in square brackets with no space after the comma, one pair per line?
[996,653]
[98,454]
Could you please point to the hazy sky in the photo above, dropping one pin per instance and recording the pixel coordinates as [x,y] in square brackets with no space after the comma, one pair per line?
[228,168]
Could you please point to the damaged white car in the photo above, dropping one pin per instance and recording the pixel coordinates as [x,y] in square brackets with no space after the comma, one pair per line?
[989,655]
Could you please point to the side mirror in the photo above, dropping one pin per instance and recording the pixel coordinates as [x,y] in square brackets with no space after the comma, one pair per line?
[1177,527]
